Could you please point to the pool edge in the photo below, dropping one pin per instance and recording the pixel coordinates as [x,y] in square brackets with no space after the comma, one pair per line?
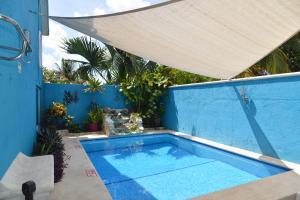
[257,190]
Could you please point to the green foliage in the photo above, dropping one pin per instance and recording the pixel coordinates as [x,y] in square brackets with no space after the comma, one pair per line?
[94,85]
[113,65]
[57,110]
[69,120]
[284,59]
[179,77]
[144,92]
[74,128]
[125,65]
[95,114]
[98,61]
[50,76]
[50,142]
[292,50]
[66,73]
[57,116]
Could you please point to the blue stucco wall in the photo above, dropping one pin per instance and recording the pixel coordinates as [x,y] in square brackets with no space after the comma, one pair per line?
[18,90]
[268,124]
[109,97]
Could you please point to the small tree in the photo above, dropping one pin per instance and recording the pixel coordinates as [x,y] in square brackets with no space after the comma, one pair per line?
[144,93]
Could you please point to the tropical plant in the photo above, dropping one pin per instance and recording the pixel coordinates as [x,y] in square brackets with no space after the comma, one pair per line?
[112,64]
[69,120]
[57,110]
[274,63]
[49,142]
[125,65]
[284,59]
[95,118]
[95,55]
[67,72]
[74,128]
[56,116]
[144,93]
[50,76]
[292,49]
[93,85]
[95,114]
[179,77]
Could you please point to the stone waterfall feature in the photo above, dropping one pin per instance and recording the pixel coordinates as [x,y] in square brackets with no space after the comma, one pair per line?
[121,122]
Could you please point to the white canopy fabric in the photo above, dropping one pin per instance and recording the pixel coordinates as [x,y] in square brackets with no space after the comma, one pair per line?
[216,38]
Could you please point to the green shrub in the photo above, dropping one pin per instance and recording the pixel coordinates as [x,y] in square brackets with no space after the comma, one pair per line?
[49,142]
[95,114]
[144,93]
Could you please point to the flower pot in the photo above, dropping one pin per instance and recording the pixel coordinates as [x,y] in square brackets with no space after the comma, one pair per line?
[93,127]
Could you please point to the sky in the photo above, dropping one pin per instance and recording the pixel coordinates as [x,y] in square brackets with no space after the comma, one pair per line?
[52,52]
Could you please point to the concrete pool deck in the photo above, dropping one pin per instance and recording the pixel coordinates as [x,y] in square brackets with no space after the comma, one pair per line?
[81,180]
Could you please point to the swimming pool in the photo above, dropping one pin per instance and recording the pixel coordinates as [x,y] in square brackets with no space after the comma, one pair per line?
[165,166]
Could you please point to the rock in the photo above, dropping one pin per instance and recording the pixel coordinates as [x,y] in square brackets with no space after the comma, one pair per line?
[118,122]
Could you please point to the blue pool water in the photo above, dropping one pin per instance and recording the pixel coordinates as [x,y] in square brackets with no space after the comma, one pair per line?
[164,166]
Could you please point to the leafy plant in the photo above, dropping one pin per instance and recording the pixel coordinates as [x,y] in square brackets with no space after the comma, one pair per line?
[95,114]
[57,116]
[65,73]
[94,85]
[144,93]
[50,76]
[57,110]
[69,120]
[50,142]
[284,59]
[74,128]
[96,56]
[179,77]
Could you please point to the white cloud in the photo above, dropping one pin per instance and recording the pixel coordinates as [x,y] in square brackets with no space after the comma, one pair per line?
[122,5]
[96,11]
[77,14]
[52,51]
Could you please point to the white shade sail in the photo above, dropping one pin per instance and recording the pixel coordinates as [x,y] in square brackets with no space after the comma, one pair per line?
[216,38]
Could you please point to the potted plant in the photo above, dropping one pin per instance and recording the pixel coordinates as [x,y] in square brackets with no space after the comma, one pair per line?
[95,117]
[56,115]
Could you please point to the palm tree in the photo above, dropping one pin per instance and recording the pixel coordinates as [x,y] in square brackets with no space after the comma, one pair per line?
[284,59]
[94,85]
[112,64]
[95,55]
[67,72]
[125,65]
[292,49]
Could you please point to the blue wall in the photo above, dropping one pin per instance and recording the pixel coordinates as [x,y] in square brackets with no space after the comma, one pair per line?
[268,124]
[18,90]
[109,97]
